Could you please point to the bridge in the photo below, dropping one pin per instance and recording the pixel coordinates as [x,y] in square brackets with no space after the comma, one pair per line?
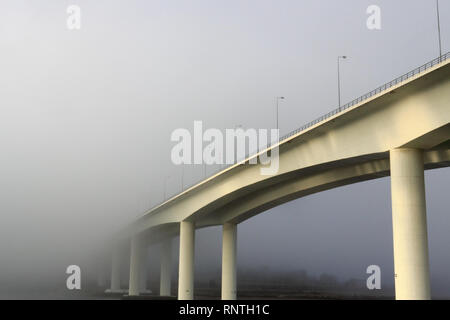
[399,130]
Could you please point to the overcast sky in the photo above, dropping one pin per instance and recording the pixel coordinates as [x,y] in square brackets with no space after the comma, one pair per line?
[86,117]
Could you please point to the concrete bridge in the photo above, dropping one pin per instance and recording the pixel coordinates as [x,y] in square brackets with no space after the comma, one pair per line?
[399,129]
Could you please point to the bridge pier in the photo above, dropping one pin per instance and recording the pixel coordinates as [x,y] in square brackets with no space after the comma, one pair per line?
[229,248]
[166,268]
[115,271]
[135,265]
[186,265]
[143,272]
[412,279]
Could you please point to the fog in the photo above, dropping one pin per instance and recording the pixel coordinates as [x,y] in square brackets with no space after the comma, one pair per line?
[86,117]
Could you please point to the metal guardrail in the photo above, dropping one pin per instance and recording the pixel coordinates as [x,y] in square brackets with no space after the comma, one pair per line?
[366,96]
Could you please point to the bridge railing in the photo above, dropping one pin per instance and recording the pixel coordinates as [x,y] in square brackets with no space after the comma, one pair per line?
[366,96]
[361,98]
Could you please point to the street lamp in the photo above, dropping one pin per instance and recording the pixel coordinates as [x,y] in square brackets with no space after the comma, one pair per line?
[278,102]
[439,29]
[339,79]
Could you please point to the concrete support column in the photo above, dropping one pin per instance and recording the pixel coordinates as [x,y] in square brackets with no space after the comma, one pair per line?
[412,278]
[186,266]
[166,268]
[135,265]
[229,248]
[143,270]
[115,270]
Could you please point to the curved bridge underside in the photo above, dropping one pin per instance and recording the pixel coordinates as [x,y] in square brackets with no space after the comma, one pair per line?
[305,183]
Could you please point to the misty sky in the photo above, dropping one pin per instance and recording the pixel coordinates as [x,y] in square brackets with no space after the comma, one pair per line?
[86,117]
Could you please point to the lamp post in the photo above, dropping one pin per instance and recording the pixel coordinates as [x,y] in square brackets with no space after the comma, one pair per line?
[439,29]
[278,103]
[339,79]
